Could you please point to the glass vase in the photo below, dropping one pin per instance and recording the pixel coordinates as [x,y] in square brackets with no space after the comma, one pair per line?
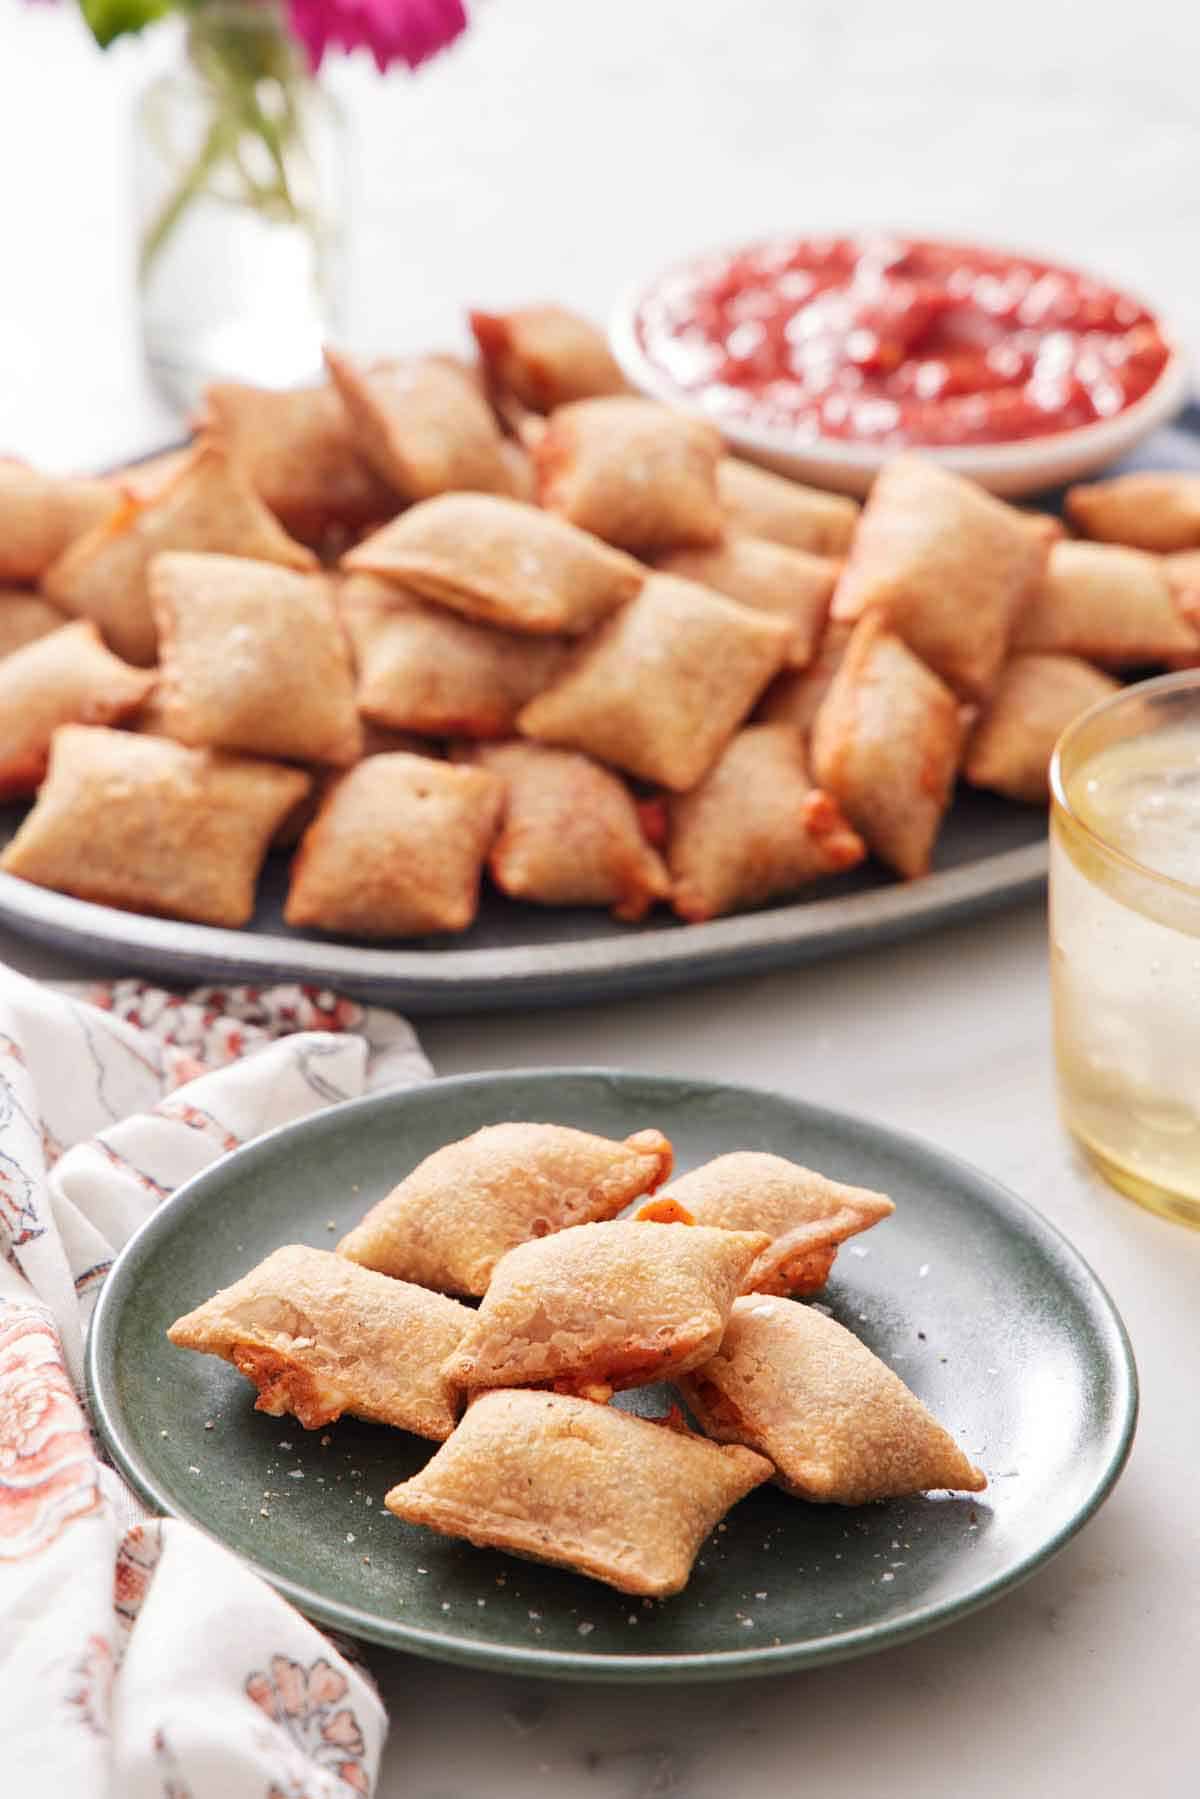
[240,174]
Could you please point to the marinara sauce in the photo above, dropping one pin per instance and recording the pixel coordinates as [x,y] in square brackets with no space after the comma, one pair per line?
[895,340]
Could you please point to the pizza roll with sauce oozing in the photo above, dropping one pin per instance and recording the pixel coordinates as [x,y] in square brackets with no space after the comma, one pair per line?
[320,1336]
[946,566]
[792,584]
[660,688]
[66,678]
[886,743]
[755,828]
[449,1222]
[24,617]
[622,1499]
[424,425]
[840,1427]
[756,503]
[598,1307]
[42,515]
[424,668]
[298,450]
[253,658]
[396,849]
[570,834]
[635,473]
[208,506]
[1111,605]
[805,1215]
[545,356]
[500,561]
[1035,700]
[151,826]
[1147,511]
[795,696]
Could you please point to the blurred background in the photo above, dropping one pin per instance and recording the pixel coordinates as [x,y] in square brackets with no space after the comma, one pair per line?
[561,151]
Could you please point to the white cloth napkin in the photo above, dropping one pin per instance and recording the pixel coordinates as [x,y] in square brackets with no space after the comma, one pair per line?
[139,1659]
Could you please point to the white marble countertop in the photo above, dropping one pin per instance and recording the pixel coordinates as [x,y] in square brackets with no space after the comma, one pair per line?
[560,150]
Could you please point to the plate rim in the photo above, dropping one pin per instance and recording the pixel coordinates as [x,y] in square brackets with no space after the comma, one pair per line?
[576,1665]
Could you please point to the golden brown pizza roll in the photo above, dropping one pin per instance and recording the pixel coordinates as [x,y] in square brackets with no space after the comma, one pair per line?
[424,668]
[396,849]
[794,697]
[570,833]
[886,743]
[66,678]
[633,472]
[545,356]
[792,584]
[449,1222]
[208,506]
[298,450]
[500,561]
[41,515]
[805,1215]
[755,828]
[24,617]
[253,658]
[1108,604]
[1147,512]
[840,1427]
[660,688]
[757,503]
[946,566]
[599,1307]
[423,425]
[1183,570]
[151,826]
[320,1336]
[619,1498]
[1035,700]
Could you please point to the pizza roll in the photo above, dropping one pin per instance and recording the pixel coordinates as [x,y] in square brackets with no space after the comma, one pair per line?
[151,826]
[840,1427]
[253,658]
[396,849]
[794,697]
[756,503]
[599,1307]
[570,833]
[886,744]
[1108,604]
[633,472]
[946,566]
[500,561]
[661,687]
[805,1215]
[24,617]
[424,425]
[545,356]
[449,1222]
[622,1499]
[423,668]
[298,450]
[41,515]
[1037,696]
[320,1336]
[1147,512]
[146,478]
[755,828]
[66,678]
[793,584]
[208,506]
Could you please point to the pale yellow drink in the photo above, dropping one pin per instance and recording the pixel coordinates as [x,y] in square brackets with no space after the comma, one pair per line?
[1125,939]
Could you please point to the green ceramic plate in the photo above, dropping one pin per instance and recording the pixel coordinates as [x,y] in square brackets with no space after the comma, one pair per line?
[978,1303]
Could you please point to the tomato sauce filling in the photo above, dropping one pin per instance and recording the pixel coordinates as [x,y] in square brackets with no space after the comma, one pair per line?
[888,340]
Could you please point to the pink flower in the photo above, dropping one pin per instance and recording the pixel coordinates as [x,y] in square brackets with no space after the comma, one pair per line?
[407,31]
